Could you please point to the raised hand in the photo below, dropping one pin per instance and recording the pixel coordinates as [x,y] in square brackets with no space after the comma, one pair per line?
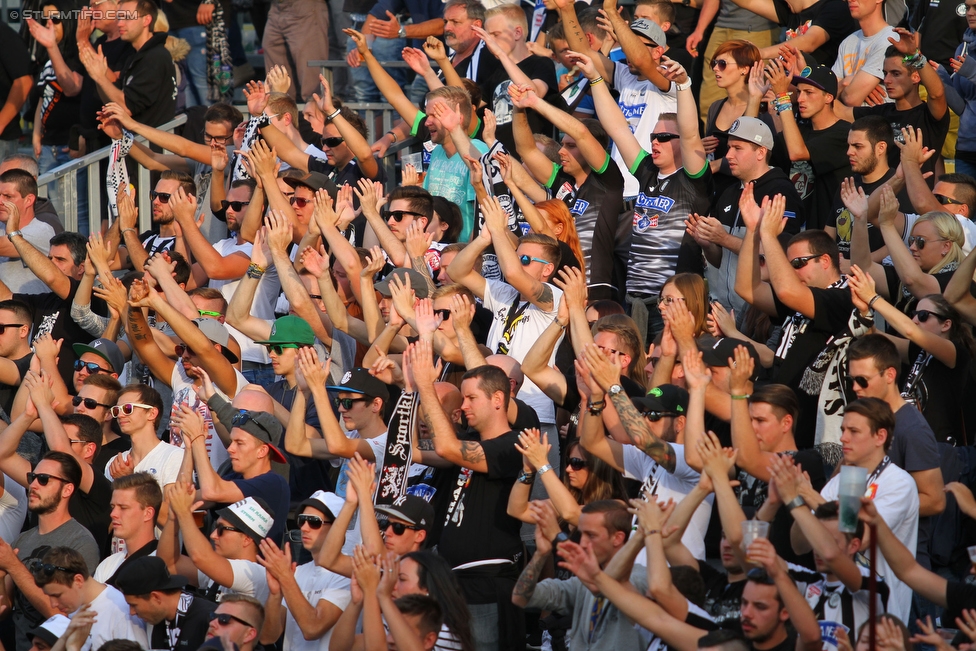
[573,284]
[523,97]
[697,375]
[742,368]
[584,63]
[418,240]
[716,460]
[434,48]
[370,195]
[115,296]
[862,288]
[278,80]
[316,263]
[673,71]
[854,198]
[534,446]
[365,570]
[257,97]
[374,263]
[427,321]
[889,206]
[417,60]
[462,312]
[605,370]
[773,219]
[316,373]
[279,232]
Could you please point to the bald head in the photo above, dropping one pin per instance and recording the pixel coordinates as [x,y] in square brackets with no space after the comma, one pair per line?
[253,398]
[511,367]
[450,398]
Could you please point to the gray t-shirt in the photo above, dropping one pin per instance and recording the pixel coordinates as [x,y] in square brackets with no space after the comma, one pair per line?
[913,447]
[732,16]
[33,544]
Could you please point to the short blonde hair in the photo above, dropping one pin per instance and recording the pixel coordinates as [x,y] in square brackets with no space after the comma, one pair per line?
[454,96]
[950,230]
[514,14]
[281,104]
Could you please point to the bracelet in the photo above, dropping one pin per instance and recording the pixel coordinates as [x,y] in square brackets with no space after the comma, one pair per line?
[744,396]
[596,408]
[684,86]
[544,469]
[651,532]
[13,234]
[915,61]
[598,80]
[391,132]
[125,230]
[332,116]
[254,271]
[526,477]
[872,301]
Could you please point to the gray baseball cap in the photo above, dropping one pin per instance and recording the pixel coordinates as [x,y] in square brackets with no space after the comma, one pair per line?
[649,29]
[104,348]
[752,130]
[218,333]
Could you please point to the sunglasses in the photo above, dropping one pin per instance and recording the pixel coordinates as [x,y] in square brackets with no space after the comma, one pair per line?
[945,201]
[920,241]
[182,349]
[347,403]
[526,260]
[398,527]
[720,64]
[128,408]
[162,196]
[299,202]
[314,522]
[4,326]
[242,418]
[220,529]
[664,137]
[332,142]
[799,263]
[923,315]
[315,296]
[226,618]
[43,478]
[859,380]
[90,403]
[277,349]
[655,416]
[444,314]
[92,367]
[37,567]
[56,20]
[576,463]
[397,215]
[759,575]
[209,313]
[236,205]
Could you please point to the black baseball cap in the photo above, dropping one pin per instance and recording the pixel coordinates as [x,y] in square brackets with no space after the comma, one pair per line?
[818,76]
[665,398]
[719,351]
[146,574]
[359,380]
[412,509]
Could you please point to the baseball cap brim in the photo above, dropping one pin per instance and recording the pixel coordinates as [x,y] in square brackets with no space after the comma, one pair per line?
[81,349]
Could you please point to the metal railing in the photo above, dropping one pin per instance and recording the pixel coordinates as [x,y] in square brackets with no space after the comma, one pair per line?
[67,175]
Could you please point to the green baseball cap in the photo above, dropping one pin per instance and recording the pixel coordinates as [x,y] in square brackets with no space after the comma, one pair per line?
[290,330]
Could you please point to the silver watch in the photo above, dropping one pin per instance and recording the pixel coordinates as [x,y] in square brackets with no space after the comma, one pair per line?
[614,390]
[403,31]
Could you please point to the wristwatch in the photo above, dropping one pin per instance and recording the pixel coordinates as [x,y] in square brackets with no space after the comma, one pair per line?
[12,234]
[614,390]
[796,502]
[684,86]
[561,537]
[403,31]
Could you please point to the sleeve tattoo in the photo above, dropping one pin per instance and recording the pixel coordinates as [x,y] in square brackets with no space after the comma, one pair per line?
[640,434]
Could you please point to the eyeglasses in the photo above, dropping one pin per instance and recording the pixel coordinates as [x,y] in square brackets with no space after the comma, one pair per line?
[923,315]
[299,202]
[398,527]
[576,463]
[43,479]
[347,403]
[655,416]
[278,349]
[182,349]
[945,201]
[162,196]
[92,367]
[332,142]
[397,215]
[668,300]
[720,64]
[220,529]
[664,137]
[209,313]
[37,567]
[4,326]
[90,403]
[128,408]
[526,260]
[226,618]
[236,205]
[444,314]
[920,241]
[220,140]
[799,263]
[314,522]
[859,380]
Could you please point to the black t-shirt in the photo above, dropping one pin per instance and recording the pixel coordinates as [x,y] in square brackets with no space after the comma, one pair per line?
[7,392]
[942,27]
[108,451]
[535,67]
[817,180]
[117,53]
[525,417]
[148,82]
[789,644]
[940,390]
[722,599]
[59,112]
[14,64]
[918,117]
[841,219]
[348,175]
[959,596]
[770,184]
[305,475]
[477,526]
[903,299]
[832,16]
[93,510]
[192,621]
[485,73]
[724,178]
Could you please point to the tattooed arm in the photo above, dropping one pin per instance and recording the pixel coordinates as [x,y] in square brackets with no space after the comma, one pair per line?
[529,578]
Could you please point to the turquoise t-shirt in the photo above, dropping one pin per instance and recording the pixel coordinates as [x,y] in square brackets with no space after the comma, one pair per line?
[450,178]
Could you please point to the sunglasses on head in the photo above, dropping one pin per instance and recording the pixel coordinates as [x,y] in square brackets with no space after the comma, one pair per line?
[655,416]
[236,205]
[209,313]
[576,463]
[314,522]
[920,241]
[37,567]
[277,349]
[945,201]
[4,326]
[226,618]
[444,314]
[923,315]
[162,196]
[299,202]
[221,528]
[347,403]
[720,64]
[397,215]
[128,408]
[526,260]
[799,263]
[332,142]
[664,137]
[90,403]
[398,527]
[92,367]
[43,479]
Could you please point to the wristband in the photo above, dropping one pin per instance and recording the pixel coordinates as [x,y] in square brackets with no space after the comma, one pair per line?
[332,116]
[526,477]
[872,301]
[795,503]
[254,271]
[684,86]
[544,469]
[744,396]
[391,132]
[598,80]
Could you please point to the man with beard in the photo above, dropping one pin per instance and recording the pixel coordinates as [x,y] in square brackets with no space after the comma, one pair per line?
[134,248]
[50,486]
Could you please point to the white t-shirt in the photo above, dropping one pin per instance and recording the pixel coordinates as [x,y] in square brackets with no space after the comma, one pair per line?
[378,445]
[264,299]
[858,52]
[13,510]
[677,485]
[249,579]
[14,272]
[641,102]
[317,584]
[163,462]
[114,621]
[110,565]
[183,394]
[896,498]
[526,330]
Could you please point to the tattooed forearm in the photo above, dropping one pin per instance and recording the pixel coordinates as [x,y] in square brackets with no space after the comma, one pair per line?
[135,324]
[543,297]
[527,581]
[472,452]
[420,266]
[640,434]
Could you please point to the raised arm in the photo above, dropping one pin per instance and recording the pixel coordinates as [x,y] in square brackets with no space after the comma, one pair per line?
[168,141]
[539,166]
[37,262]
[354,140]
[638,53]
[801,615]
[384,82]
[607,109]
[748,282]
[916,281]
[180,496]
[958,293]
[793,293]
[140,335]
